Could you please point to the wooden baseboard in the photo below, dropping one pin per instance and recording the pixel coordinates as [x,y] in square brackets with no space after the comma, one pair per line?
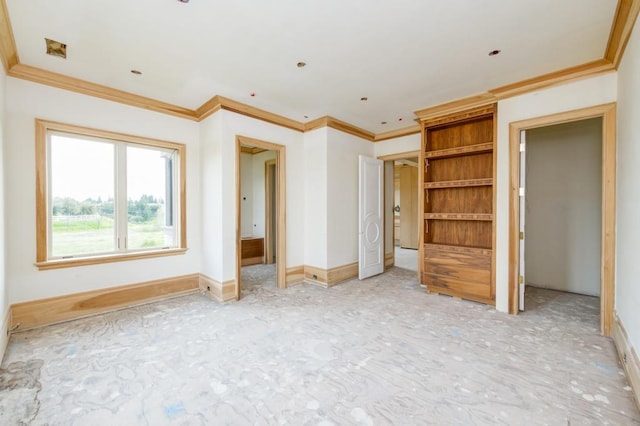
[222,292]
[330,277]
[252,261]
[4,332]
[389,259]
[53,310]
[295,275]
[628,356]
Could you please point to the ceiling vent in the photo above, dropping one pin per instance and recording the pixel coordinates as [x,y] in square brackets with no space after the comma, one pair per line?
[55,48]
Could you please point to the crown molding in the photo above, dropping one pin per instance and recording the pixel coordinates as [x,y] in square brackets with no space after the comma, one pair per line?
[589,69]
[405,131]
[343,126]
[8,51]
[625,17]
[38,75]
[456,106]
[623,23]
[217,103]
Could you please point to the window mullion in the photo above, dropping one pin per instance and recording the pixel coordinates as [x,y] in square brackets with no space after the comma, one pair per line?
[121,196]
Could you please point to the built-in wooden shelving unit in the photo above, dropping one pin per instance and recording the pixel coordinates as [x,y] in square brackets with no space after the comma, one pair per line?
[457,232]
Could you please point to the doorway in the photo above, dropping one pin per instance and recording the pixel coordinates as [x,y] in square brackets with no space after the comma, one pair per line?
[601,252]
[261,209]
[401,208]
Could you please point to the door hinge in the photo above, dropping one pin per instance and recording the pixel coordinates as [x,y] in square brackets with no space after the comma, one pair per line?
[521,279]
[522,235]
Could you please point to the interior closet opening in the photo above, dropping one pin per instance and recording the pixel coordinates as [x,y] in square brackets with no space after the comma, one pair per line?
[260,245]
[402,226]
[561,215]
[519,132]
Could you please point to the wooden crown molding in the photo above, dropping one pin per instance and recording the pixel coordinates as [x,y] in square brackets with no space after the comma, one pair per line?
[8,51]
[38,75]
[456,106]
[625,17]
[405,131]
[343,126]
[251,150]
[623,23]
[219,102]
[589,69]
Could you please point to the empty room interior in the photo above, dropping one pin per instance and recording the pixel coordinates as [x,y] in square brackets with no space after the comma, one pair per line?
[415,212]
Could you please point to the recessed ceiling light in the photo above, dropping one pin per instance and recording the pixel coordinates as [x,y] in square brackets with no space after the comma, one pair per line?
[494,52]
[301,64]
[56,48]
[136,72]
[364,99]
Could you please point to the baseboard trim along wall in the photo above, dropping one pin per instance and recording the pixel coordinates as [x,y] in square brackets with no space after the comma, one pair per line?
[53,310]
[330,277]
[628,356]
[295,275]
[219,291]
[4,332]
[389,259]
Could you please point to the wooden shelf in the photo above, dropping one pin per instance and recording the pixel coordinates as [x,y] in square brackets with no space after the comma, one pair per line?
[480,148]
[459,216]
[458,249]
[458,183]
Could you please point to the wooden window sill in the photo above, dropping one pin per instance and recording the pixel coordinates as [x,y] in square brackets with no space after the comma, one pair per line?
[96,260]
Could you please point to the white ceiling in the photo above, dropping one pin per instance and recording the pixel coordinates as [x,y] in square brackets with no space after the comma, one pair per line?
[403,55]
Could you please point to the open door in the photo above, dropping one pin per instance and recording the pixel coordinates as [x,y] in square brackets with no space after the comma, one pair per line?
[370,235]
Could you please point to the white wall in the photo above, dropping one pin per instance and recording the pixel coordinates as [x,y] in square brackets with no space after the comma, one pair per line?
[389,204]
[342,196]
[563,213]
[247,192]
[232,125]
[26,101]
[315,198]
[628,196]
[580,94]
[259,201]
[211,197]
[4,292]
[397,145]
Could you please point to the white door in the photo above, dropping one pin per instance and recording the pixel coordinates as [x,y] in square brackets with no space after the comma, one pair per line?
[370,235]
[523,174]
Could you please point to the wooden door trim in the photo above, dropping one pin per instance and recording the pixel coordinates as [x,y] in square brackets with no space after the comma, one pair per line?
[281,209]
[393,158]
[607,262]
[268,231]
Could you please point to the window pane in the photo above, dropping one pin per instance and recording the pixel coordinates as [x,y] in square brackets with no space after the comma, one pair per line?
[82,196]
[149,195]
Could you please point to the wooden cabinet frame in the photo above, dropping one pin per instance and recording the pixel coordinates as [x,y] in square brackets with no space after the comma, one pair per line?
[474,264]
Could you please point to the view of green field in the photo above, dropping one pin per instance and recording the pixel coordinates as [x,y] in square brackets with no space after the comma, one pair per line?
[73,237]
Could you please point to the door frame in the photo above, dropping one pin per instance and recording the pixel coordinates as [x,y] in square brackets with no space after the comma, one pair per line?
[281,210]
[608,229]
[269,254]
[393,157]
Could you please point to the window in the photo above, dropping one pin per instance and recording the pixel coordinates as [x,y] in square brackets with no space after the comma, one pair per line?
[103,196]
